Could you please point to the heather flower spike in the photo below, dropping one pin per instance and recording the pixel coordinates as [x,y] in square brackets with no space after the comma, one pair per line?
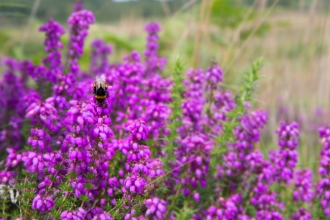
[79,23]
[53,45]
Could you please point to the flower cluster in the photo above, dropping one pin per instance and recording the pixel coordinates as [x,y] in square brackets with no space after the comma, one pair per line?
[287,157]
[42,204]
[137,159]
[99,56]
[52,45]
[121,141]
[79,23]
[303,186]
[324,170]
[226,209]
[153,62]
[156,208]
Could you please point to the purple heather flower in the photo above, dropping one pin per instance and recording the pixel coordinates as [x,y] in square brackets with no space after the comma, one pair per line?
[98,214]
[40,72]
[192,106]
[254,159]
[42,204]
[36,162]
[323,189]
[76,143]
[101,142]
[240,157]
[138,130]
[12,84]
[250,128]
[113,186]
[13,158]
[224,101]
[303,186]
[99,56]
[67,87]
[52,46]
[78,5]
[213,75]
[194,84]
[26,69]
[79,115]
[232,164]
[79,24]
[39,139]
[225,208]
[133,215]
[196,196]
[288,135]
[156,208]
[157,89]
[301,214]
[153,62]
[32,96]
[269,215]
[194,151]
[78,185]
[7,177]
[156,168]
[157,115]
[192,109]
[287,156]
[44,113]
[45,183]
[11,136]
[265,202]
[137,159]
[262,168]
[101,128]
[12,91]
[128,86]
[220,103]
[73,215]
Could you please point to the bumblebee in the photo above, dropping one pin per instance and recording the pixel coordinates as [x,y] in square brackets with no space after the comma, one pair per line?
[100,89]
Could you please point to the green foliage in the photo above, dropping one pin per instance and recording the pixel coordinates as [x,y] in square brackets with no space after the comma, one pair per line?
[55,213]
[250,210]
[245,94]
[13,9]
[175,123]
[184,213]
[84,198]
[317,211]
[65,187]
[4,38]
[226,13]
[119,42]
[89,186]
[259,32]
[249,85]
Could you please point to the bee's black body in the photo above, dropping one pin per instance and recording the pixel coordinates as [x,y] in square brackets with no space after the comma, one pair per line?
[100,89]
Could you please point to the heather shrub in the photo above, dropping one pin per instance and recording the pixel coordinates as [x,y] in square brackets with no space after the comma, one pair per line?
[122,141]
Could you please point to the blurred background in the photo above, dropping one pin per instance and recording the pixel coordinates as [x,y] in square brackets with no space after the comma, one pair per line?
[291,35]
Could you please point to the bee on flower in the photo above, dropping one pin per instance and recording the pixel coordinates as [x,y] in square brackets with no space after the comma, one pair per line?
[100,89]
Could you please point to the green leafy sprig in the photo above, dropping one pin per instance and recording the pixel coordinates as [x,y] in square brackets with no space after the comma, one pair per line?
[245,94]
[175,122]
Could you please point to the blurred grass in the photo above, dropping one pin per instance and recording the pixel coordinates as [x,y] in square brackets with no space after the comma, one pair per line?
[292,40]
